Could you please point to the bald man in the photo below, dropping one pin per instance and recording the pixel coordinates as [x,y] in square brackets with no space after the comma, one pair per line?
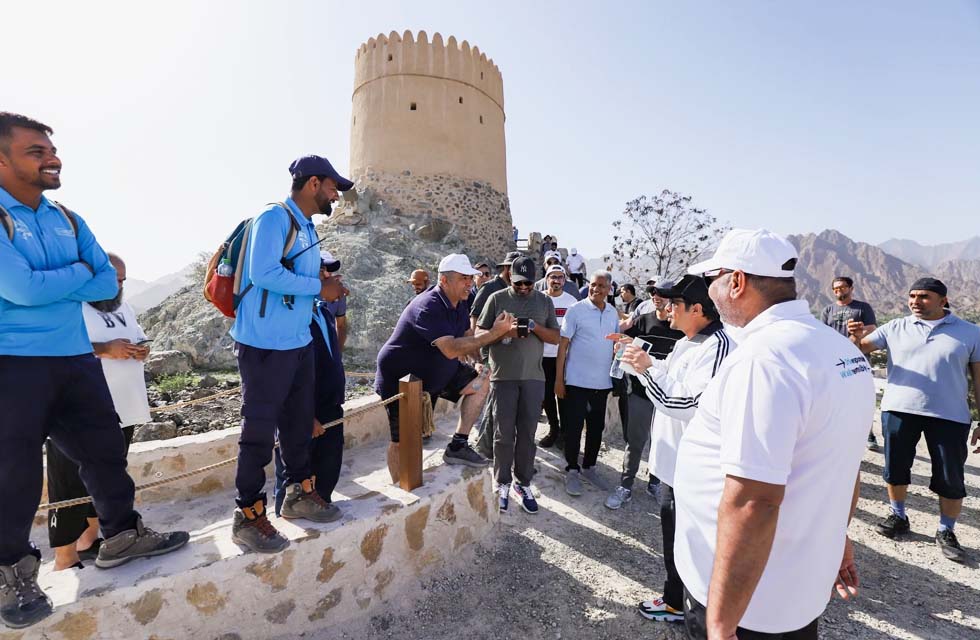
[419,280]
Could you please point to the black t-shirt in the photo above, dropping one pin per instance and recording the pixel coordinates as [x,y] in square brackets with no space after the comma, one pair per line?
[483,294]
[657,332]
[836,316]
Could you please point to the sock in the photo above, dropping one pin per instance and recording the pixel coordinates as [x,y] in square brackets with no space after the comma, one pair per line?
[946,523]
[898,508]
[458,442]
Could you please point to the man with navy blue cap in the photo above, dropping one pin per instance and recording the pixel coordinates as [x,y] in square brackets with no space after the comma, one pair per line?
[276,356]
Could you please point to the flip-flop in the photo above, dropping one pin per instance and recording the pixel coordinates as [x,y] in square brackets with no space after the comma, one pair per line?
[78,565]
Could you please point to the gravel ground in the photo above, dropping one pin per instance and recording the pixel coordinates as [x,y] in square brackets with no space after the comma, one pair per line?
[577,570]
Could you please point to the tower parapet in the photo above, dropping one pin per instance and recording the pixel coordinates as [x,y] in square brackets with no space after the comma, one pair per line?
[427,132]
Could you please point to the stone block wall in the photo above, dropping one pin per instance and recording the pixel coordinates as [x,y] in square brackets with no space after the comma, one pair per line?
[480,213]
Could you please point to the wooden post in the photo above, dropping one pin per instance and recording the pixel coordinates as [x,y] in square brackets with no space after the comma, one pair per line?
[410,433]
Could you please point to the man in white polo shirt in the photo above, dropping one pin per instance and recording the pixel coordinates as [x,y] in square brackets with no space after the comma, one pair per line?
[766,475]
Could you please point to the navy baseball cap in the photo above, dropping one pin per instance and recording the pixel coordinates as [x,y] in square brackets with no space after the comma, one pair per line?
[522,270]
[318,166]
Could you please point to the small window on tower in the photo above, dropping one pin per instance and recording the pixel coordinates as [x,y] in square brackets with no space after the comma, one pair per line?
[481,119]
[389,57]
[461,99]
[413,107]
[481,75]
[355,119]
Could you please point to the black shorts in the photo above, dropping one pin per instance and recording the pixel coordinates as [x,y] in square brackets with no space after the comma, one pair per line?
[947,449]
[453,391]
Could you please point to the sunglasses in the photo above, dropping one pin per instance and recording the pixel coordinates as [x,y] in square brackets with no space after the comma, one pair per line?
[523,285]
[714,274]
[485,274]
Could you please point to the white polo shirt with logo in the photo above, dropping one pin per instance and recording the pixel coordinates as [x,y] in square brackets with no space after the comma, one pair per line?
[124,377]
[791,406]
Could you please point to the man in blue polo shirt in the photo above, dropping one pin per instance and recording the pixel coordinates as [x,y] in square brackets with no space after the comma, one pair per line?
[432,333]
[930,354]
[276,357]
[51,264]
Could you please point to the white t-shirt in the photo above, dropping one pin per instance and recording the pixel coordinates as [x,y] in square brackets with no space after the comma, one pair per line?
[675,389]
[791,406]
[562,303]
[124,377]
[576,263]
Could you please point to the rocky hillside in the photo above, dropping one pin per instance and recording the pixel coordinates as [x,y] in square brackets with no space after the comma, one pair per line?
[879,277]
[378,247]
[931,256]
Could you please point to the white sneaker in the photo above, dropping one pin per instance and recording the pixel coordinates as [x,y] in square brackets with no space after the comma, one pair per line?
[618,498]
[657,609]
[503,497]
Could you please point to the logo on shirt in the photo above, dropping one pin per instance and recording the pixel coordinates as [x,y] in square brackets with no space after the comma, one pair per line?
[852,366]
[560,313]
[64,232]
[24,231]
[110,319]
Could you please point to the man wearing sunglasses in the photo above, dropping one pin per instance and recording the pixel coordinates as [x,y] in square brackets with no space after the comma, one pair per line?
[767,470]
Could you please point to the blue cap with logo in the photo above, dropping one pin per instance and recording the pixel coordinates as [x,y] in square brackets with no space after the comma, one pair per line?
[318,166]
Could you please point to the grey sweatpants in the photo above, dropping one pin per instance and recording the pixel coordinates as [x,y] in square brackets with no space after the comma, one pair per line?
[637,435]
[516,406]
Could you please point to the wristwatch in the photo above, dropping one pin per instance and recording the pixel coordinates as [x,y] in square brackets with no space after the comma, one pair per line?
[530,325]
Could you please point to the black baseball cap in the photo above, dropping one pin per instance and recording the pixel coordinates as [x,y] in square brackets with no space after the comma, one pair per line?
[306,166]
[511,257]
[929,284]
[522,270]
[690,288]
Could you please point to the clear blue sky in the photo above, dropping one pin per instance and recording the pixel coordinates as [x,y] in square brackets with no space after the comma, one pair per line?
[177,119]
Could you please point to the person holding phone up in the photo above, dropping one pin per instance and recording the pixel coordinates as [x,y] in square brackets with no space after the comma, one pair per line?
[122,347]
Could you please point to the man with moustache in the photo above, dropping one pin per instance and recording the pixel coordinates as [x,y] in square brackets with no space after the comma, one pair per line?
[276,355]
[52,263]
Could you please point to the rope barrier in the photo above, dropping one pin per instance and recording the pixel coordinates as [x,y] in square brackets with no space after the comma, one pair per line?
[74,502]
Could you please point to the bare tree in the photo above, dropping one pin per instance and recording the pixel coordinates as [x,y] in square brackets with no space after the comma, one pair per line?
[662,235]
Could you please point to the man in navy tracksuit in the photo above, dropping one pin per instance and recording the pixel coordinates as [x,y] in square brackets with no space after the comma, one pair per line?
[327,445]
[276,355]
[51,263]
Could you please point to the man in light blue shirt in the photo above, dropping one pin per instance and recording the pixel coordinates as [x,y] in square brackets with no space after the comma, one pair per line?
[276,357]
[930,354]
[582,380]
[51,263]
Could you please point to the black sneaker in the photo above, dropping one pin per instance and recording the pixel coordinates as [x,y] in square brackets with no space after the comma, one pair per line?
[251,529]
[138,542]
[549,440]
[872,443]
[22,603]
[464,455]
[893,525]
[950,546]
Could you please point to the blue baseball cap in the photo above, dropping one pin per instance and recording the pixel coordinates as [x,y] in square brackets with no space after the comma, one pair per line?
[306,166]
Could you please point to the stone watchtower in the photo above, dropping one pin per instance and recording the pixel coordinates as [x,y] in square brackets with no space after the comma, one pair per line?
[427,133]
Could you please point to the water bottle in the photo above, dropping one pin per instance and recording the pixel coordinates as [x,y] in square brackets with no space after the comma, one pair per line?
[225,269]
[506,341]
[479,379]
[615,370]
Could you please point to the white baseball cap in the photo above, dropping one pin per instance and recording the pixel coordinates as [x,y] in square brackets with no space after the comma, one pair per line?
[574,251]
[756,251]
[457,263]
[328,262]
[555,268]
[552,254]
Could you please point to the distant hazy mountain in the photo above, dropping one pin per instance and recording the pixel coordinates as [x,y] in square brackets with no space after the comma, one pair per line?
[930,256]
[879,277]
[146,295]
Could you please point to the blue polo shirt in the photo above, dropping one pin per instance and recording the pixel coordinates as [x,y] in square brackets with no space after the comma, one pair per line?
[43,284]
[589,353]
[927,366]
[282,328]
[409,350]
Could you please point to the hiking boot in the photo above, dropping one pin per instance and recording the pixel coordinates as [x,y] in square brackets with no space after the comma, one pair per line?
[619,497]
[549,440]
[22,603]
[251,529]
[872,443]
[950,546]
[573,483]
[592,475]
[893,525]
[528,503]
[657,609]
[302,501]
[138,542]
[465,455]
[503,497]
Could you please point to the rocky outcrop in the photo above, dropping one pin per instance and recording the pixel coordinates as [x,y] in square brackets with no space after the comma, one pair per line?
[378,246]
[166,363]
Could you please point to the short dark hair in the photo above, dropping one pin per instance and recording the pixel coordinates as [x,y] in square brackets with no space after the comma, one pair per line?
[774,290]
[10,120]
[299,183]
[628,287]
[848,281]
[708,309]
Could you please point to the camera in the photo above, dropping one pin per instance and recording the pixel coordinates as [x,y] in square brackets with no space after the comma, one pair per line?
[523,327]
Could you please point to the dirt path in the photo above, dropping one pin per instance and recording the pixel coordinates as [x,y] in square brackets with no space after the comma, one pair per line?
[577,570]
